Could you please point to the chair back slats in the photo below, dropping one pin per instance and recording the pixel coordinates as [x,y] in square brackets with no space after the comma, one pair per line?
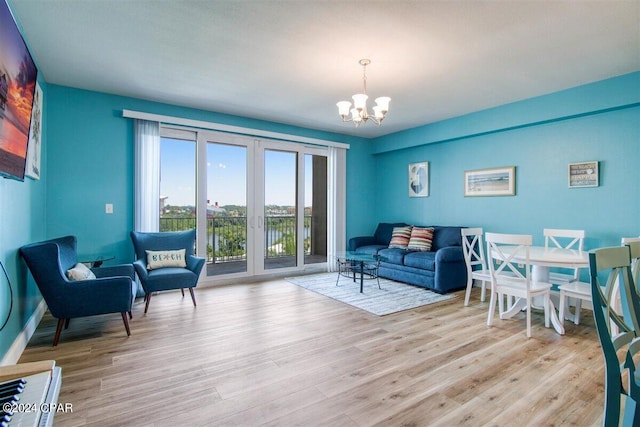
[614,263]
[472,246]
[551,235]
[634,247]
[473,251]
[507,268]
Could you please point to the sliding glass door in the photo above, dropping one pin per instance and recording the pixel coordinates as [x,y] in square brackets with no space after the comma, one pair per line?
[227,208]
[260,205]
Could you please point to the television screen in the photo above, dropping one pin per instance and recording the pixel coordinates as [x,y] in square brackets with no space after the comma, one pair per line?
[17,85]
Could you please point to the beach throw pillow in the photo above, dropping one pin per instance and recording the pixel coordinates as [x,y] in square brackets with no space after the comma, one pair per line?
[421,239]
[161,259]
[400,237]
[80,272]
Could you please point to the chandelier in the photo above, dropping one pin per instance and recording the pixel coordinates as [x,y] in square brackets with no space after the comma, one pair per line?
[359,113]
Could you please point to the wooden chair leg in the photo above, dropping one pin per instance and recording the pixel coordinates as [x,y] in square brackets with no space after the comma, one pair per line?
[66,323]
[182,290]
[56,338]
[126,323]
[146,305]
[193,296]
[130,315]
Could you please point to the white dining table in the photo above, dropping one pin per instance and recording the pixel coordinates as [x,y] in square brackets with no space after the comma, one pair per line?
[542,259]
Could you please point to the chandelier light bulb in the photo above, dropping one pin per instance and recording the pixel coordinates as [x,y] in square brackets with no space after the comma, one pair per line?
[359,112]
[360,101]
[343,108]
[383,103]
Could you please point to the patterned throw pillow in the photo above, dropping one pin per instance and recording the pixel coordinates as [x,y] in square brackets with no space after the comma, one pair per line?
[420,239]
[400,237]
[80,272]
[161,259]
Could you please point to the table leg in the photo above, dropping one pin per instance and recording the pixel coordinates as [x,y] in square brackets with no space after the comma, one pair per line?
[539,273]
[555,321]
[521,304]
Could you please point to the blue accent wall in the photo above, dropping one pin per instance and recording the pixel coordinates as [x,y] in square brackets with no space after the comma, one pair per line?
[540,137]
[22,220]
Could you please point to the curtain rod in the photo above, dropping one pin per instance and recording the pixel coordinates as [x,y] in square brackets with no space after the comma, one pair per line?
[228,128]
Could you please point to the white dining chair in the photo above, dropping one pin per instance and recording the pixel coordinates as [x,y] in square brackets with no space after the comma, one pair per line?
[473,251]
[513,278]
[634,246]
[569,285]
[566,239]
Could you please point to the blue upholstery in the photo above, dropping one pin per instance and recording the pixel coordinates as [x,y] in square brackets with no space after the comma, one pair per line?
[442,269]
[112,291]
[167,278]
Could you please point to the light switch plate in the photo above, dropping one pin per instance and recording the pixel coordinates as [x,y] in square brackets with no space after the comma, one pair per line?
[108,208]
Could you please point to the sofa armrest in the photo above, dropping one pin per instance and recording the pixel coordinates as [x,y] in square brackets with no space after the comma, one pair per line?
[356,242]
[450,254]
[195,264]
[141,269]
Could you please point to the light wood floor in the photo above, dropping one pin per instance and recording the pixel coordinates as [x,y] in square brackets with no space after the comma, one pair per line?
[272,353]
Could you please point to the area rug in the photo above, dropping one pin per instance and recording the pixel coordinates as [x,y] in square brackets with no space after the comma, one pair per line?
[393,297]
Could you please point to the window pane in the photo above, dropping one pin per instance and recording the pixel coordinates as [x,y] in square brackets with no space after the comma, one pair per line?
[177,184]
[226,209]
[280,193]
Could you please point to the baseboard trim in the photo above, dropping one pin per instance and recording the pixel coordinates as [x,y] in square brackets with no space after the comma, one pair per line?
[20,343]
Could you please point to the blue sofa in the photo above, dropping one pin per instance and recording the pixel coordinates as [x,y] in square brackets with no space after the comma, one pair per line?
[442,269]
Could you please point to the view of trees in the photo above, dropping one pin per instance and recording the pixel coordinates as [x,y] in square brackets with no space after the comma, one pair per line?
[229,231]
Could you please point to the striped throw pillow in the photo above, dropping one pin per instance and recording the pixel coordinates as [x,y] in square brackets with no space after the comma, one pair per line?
[400,237]
[421,238]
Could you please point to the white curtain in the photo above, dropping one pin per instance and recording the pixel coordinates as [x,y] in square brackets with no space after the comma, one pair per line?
[147,175]
[336,209]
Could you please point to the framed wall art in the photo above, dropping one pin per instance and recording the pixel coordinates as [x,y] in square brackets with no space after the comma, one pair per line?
[419,179]
[490,182]
[34,149]
[584,174]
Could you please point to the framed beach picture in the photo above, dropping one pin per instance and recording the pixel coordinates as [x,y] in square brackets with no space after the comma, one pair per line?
[35,140]
[419,179]
[490,182]
[584,174]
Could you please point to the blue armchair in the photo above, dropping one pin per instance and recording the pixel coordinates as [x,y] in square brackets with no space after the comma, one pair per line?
[112,291]
[166,278]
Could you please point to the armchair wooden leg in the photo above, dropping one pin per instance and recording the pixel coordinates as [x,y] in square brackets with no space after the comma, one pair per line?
[56,338]
[193,296]
[148,299]
[182,290]
[130,315]
[66,323]
[126,323]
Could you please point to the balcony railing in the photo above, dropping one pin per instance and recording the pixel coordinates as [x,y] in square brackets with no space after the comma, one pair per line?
[227,236]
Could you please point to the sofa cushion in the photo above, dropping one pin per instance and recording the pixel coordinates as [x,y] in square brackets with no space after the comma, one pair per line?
[370,249]
[392,255]
[384,231]
[422,260]
[400,237]
[446,236]
[421,238]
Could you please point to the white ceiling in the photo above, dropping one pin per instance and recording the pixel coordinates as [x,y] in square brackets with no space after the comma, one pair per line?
[291,61]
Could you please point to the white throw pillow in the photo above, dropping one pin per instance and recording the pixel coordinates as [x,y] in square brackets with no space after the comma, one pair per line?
[161,259]
[80,272]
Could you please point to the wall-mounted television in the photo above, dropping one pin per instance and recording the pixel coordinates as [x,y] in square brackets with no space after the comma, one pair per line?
[18,75]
